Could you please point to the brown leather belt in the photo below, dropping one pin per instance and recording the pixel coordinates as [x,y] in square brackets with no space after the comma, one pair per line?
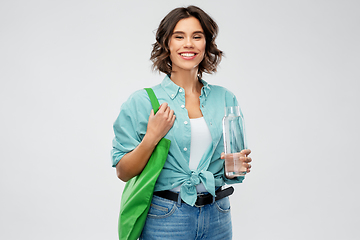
[202,199]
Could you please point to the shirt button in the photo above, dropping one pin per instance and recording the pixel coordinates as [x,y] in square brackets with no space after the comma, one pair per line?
[182,106]
[185,149]
[172,95]
[180,90]
[185,122]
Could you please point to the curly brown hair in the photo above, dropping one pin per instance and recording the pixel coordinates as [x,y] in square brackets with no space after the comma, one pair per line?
[160,55]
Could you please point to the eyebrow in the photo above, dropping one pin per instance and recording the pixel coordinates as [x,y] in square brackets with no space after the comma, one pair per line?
[196,32]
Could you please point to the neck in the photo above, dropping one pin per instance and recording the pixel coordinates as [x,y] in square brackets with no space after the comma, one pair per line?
[188,80]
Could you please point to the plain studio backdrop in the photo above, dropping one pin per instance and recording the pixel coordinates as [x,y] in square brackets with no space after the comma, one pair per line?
[67,66]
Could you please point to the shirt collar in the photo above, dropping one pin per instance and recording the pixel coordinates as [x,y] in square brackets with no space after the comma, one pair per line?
[206,88]
[172,89]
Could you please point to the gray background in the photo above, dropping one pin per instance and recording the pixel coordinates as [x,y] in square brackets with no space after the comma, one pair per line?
[66,67]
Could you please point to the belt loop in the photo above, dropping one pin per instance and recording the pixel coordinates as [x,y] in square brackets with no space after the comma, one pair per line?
[179,200]
[213,199]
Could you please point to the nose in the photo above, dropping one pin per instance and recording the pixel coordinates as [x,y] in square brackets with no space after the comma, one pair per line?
[188,43]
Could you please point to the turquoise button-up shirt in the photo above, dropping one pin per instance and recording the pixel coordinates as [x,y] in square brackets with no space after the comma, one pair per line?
[131,124]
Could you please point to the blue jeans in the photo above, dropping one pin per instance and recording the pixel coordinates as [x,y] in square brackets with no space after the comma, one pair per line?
[173,220]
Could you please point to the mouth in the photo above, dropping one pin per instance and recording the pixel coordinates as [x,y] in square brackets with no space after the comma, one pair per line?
[187,54]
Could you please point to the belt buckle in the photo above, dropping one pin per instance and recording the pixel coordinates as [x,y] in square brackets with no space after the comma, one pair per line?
[198,197]
[198,206]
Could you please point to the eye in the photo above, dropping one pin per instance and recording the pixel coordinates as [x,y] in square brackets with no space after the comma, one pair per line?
[178,37]
[198,37]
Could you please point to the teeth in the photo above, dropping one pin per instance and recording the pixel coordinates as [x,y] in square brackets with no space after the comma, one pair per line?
[187,54]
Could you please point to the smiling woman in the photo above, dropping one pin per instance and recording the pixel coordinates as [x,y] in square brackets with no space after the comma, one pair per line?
[187,45]
[208,28]
[189,201]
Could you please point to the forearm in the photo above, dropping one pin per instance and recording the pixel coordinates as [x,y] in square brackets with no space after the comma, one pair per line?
[132,163]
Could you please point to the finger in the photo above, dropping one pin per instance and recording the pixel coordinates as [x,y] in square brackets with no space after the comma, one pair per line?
[222,155]
[247,159]
[171,114]
[246,152]
[248,166]
[167,111]
[248,169]
[163,107]
[152,113]
[173,119]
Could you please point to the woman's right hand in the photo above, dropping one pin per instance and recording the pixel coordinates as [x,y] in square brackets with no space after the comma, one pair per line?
[160,123]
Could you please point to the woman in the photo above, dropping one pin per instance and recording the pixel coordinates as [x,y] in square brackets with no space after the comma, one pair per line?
[184,205]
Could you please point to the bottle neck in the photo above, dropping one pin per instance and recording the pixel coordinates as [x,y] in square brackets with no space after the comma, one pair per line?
[233,111]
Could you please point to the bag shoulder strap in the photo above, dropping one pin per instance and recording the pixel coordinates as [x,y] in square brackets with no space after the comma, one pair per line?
[154,101]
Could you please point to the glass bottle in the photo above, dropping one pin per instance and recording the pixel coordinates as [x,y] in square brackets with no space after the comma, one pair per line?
[234,142]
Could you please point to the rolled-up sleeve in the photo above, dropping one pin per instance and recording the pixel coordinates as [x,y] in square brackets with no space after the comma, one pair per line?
[130,126]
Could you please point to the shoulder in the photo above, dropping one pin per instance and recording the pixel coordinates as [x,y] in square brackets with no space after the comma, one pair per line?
[218,91]
[137,102]
[140,100]
[215,88]
[222,94]
[218,88]
[137,96]
[141,94]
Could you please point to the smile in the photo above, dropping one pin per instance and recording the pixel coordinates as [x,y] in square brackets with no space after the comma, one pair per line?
[187,54]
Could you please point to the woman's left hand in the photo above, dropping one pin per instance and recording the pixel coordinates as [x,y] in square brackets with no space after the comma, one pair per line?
[245,159]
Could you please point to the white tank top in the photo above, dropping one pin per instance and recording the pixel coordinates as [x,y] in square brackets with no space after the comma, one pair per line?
[200,141]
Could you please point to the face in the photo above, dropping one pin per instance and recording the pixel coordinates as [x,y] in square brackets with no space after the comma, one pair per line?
[187,45]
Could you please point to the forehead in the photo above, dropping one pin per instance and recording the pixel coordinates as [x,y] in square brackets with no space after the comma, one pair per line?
[188,25]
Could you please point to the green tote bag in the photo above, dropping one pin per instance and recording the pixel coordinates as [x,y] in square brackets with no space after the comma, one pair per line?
[138,191]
